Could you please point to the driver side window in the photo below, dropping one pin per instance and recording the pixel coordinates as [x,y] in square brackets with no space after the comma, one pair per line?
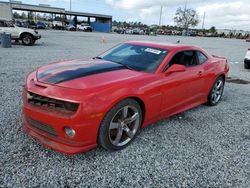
[186,58]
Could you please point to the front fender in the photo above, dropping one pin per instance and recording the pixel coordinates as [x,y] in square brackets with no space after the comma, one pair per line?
[98,105]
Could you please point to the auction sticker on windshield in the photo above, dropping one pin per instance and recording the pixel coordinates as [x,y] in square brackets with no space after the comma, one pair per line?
[154,51]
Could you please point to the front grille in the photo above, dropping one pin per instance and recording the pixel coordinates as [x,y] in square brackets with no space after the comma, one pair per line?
[60,105]
[41,126]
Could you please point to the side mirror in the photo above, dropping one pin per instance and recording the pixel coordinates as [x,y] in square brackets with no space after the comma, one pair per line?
[175,68]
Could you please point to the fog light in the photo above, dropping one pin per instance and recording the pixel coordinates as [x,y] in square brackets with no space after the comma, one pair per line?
[69,132]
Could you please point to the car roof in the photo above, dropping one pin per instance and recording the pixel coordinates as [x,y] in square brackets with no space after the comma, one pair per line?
[167,46]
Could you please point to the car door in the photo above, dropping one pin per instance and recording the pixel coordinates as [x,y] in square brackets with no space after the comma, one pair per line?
[182,90]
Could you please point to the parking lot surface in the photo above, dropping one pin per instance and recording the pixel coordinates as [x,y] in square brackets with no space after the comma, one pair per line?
[203,147]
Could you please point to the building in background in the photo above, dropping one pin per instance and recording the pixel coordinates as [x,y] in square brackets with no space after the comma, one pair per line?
[8,10]
[5,11]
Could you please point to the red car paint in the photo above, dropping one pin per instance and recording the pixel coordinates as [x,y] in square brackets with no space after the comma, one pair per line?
[161,94]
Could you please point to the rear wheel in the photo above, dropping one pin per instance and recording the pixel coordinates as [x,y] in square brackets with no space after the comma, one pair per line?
[27,40]
[120,125]
[216,92]
[246,66]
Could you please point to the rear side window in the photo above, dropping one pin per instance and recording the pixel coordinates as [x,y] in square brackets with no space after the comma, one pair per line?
[201,57]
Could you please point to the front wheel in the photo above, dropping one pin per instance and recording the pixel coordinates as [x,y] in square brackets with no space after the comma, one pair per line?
[246,66]
[28,40]
[216,92]
[120,125]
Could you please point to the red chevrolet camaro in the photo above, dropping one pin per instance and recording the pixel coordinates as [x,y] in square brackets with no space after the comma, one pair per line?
[73,106]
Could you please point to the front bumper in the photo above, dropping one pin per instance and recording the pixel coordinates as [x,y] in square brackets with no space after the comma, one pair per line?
[38,36]
[53,143]
[50,126]
[84,140]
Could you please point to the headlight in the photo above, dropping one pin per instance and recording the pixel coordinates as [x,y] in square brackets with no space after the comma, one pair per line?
[71,106]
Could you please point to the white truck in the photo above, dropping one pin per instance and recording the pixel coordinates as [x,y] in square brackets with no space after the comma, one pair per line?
[58,25]
[27,36]
[84,27]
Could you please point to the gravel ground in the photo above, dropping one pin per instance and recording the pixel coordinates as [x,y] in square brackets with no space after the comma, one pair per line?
[203,147]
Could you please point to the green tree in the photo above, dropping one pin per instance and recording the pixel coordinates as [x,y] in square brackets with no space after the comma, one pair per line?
[16,15]
[186,18]
[212,29]
[23,16]
[115,23]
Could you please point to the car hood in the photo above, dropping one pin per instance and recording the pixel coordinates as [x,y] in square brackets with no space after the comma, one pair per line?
[82,74]
[23,29]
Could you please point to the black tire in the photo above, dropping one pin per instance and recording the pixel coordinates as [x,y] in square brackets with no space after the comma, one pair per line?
[216,92]
[106,136]
[246,66]
[28,40]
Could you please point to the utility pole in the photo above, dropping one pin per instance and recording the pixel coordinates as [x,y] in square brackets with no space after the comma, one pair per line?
[69,9]
[204,17]
[11,9]
[185,11]
[160,16]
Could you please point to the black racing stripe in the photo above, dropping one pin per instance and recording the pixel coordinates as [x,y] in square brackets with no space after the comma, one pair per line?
[82,72]
[56,68]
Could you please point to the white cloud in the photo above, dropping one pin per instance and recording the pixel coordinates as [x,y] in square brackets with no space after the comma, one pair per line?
[60,1]
[227,15]
[142,4]
[146,11]
[220,13]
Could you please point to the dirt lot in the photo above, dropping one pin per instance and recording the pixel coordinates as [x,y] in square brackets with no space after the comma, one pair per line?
[203,147]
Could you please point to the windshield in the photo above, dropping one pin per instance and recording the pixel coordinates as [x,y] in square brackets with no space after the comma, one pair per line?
[136,57]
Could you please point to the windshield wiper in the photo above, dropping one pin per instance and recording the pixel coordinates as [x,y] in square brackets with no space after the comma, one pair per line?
[127,66]
[97,57]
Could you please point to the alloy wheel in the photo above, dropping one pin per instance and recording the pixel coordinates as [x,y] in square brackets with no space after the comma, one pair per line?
[124,126]
[217,91]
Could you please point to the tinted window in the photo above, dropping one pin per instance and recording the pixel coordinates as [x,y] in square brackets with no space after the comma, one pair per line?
[186,58]
[201,58]
[140,58]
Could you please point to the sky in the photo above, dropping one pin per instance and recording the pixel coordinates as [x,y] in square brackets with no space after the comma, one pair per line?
[223,14]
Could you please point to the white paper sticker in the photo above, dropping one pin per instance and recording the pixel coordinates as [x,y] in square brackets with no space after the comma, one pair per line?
[154,51]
